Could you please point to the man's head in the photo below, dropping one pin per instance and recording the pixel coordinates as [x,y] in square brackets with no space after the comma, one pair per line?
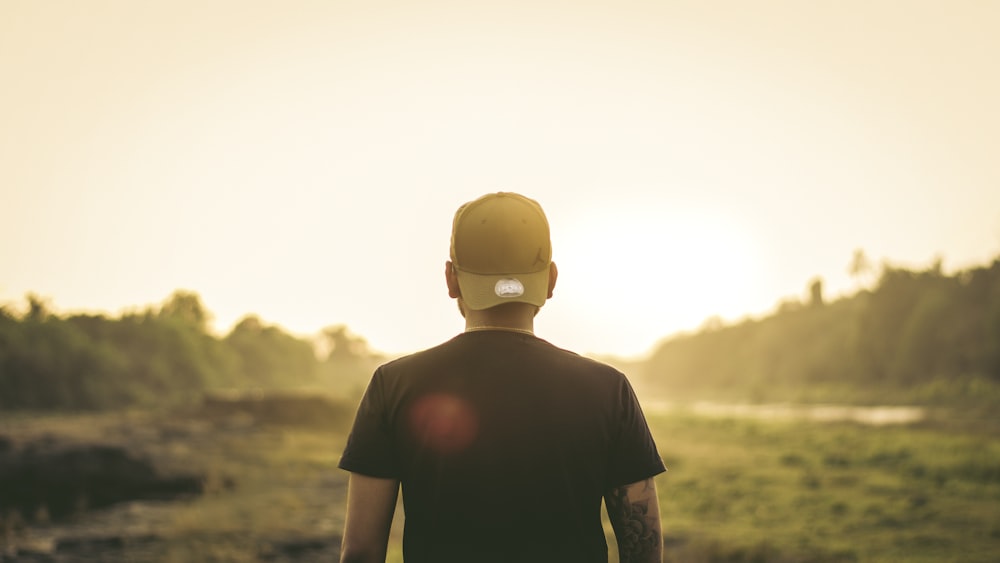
[501,253]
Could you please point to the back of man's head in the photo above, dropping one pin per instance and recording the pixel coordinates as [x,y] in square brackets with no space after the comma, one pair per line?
[502,251]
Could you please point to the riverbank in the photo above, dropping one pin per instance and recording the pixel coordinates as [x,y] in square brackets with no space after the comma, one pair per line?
[787,488]
[868,415]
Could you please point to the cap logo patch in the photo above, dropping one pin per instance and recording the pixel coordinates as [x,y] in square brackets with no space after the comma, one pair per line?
[509,287]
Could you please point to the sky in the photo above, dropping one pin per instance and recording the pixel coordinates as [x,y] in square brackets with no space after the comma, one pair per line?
[302,160]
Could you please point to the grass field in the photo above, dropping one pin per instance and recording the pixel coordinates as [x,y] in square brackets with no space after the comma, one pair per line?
[740,490]
[737,490]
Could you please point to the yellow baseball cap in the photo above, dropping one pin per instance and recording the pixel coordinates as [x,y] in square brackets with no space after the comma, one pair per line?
[501,249]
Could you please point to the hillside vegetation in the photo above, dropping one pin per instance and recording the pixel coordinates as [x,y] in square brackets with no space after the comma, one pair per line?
[916,337]
[163,356]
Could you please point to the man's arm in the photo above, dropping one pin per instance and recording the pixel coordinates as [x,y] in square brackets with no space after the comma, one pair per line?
[371,502]
[634,512]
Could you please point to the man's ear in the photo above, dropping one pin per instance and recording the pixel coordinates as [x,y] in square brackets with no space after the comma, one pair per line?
[553,275]
[451,278]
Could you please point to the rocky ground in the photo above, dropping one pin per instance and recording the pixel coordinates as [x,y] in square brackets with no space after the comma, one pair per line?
[247,478]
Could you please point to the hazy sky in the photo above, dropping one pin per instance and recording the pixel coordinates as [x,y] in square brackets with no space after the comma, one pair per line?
[302,160]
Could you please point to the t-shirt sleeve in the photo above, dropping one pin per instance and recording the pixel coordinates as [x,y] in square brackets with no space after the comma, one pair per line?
[634,455]
[370,446]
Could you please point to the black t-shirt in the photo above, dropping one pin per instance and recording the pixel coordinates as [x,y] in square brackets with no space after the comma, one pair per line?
[504,445]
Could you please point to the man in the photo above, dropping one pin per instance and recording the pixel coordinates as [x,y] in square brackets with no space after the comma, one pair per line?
[504,444]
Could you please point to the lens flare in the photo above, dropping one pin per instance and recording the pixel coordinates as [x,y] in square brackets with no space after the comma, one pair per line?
[444,423]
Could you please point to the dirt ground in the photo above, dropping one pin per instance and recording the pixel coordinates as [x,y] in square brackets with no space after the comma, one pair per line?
[269,486]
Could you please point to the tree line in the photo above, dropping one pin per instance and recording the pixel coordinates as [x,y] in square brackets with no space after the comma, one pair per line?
[917,335]
[159,356]
[913,336]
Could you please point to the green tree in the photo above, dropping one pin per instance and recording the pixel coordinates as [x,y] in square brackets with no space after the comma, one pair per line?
[270,357]
[186,306]
[342,344]
[860,268]
[816,292]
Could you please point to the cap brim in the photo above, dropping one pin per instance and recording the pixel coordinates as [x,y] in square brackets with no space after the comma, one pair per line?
[480,291]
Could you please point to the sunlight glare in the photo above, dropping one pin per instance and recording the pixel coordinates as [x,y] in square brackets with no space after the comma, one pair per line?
[646,268]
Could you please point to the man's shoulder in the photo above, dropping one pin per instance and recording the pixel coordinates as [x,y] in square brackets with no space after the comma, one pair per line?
[585,363]
[556,355]
[414,361]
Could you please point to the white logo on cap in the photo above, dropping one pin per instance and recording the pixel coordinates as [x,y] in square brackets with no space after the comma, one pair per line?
[509,287]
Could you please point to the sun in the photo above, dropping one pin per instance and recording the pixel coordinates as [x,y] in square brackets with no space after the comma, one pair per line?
[645,273]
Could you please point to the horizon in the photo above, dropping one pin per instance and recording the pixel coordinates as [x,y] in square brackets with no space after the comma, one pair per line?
[220,330]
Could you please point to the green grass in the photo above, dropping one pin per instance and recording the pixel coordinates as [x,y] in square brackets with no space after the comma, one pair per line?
[737,490]
[741,490]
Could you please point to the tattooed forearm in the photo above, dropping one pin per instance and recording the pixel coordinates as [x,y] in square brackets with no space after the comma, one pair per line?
[635,516]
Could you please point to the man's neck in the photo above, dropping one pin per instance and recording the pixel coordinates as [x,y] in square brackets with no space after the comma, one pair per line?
[519,317]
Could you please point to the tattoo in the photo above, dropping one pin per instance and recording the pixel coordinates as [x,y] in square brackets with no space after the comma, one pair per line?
[636,529]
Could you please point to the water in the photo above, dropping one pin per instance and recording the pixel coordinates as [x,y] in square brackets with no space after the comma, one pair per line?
[874,416]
